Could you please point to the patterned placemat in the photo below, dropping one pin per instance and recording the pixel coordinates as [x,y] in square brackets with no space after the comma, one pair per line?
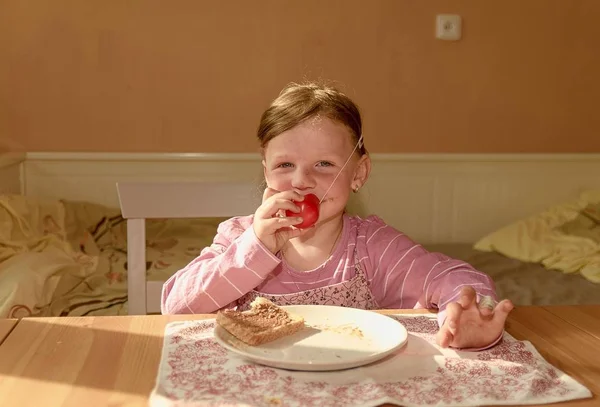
[196,371]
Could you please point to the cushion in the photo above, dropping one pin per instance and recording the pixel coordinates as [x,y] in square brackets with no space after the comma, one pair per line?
[564,237]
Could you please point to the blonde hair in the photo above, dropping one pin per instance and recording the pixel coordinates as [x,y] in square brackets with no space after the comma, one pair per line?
[299,102]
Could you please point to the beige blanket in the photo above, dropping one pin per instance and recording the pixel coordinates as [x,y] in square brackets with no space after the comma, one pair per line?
[69,258]
[564,237]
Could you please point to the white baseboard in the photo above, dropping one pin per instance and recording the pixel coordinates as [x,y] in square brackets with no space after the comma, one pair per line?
[433,198]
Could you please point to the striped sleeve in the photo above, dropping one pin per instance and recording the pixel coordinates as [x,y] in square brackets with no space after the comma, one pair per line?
[404,275]
[234,264]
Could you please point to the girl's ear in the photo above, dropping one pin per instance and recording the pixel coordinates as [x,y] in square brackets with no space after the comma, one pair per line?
[362,172]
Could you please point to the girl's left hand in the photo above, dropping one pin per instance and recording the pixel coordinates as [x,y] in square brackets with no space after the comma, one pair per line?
[469,325]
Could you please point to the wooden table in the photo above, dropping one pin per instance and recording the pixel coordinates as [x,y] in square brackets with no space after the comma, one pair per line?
[101,361]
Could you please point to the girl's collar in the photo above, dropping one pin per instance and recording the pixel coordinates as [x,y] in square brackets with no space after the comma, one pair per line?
[337,249]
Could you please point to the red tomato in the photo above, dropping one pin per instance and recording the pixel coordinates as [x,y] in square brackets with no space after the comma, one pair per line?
[309,211]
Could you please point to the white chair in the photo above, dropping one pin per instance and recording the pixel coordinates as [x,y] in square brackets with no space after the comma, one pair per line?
[146,200]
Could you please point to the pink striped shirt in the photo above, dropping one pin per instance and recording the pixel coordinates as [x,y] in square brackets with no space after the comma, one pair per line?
[401,273]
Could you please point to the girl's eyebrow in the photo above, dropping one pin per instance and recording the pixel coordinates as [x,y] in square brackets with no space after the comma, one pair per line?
[280,157]
[334,157]
[329,156]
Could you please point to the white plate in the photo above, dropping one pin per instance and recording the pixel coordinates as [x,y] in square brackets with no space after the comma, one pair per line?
[334,338]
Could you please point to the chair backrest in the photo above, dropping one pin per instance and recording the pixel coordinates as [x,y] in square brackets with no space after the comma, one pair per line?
[147,200]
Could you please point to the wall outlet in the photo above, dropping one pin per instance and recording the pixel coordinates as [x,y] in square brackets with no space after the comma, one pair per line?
[448,27]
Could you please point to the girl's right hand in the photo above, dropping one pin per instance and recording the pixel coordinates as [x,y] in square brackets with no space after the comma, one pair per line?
[270,228]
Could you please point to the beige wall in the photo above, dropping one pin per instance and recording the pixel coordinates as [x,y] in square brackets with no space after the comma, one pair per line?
[194,76]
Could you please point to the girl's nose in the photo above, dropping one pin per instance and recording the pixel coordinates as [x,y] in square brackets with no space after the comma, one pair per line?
[303,179]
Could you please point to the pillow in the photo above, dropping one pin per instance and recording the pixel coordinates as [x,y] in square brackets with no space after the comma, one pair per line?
[564,237]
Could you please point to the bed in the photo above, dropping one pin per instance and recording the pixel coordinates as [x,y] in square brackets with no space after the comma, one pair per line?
[63,239]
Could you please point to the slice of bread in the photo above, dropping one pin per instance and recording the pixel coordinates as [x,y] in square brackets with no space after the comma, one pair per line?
[264,322]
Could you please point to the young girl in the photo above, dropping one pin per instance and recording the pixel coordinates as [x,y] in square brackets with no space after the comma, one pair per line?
[311,139]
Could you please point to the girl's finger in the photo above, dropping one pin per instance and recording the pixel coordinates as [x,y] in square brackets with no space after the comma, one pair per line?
[453,313]
[468,297]
[274,224]
[268,192]
[486,305]
[502,310]
[289,194]
[271,207]
[444,337]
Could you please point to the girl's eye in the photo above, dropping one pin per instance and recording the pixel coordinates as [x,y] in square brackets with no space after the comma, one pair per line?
[284,165]
[325,164]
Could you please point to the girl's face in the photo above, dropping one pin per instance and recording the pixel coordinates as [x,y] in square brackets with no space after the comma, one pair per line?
[308,157]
